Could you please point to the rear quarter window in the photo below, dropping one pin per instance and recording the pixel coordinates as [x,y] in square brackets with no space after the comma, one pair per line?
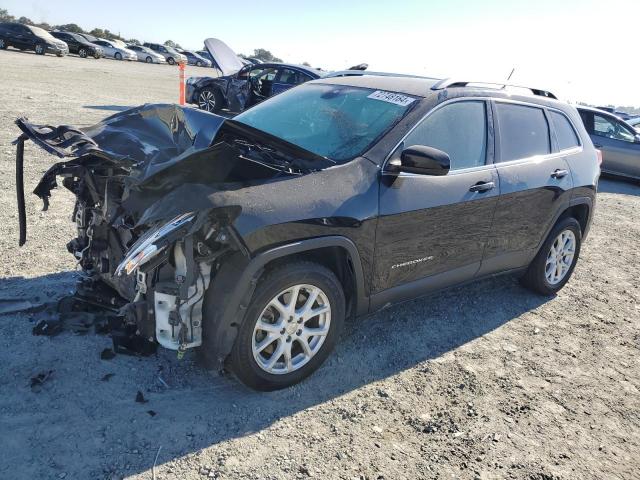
[524,131]
[565,133]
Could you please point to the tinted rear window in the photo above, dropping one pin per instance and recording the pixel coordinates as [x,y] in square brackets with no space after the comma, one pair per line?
[567,136]
[524,131]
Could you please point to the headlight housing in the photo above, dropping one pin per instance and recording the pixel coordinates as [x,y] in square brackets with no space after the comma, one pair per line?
[152,243]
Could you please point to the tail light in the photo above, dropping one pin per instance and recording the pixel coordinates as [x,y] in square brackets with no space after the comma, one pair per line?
[599,155]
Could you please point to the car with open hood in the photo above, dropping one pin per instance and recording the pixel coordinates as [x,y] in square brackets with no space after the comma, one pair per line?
[240,85]
[253,239]
[79,45]
[29,37]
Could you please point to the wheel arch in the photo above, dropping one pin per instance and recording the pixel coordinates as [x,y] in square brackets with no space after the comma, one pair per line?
[230,292]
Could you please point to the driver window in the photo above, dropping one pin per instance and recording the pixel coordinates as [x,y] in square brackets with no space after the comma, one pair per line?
[459,129]
[610,128]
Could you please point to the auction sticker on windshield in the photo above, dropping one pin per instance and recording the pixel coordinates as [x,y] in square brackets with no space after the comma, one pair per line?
[391,97]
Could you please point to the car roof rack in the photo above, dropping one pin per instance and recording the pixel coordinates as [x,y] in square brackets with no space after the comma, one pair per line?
[453,83]
[368,73]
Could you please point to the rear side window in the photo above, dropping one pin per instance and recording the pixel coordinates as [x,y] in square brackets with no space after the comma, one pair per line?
[459,129]
[566,135]
[524,131]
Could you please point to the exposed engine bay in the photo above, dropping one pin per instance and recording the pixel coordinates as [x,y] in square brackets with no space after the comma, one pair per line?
[151,231]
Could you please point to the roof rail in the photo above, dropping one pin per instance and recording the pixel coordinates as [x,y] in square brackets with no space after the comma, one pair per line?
[452,83]
[369,73]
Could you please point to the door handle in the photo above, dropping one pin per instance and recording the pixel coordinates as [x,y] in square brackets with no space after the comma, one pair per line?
[482,187]
[597,145]
[558,173]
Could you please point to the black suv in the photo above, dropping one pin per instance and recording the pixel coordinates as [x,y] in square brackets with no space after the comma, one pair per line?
[79,45]
[254,238]
[28,37]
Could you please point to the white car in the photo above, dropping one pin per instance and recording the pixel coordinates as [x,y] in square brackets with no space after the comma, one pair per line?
[114,49]
[146,54]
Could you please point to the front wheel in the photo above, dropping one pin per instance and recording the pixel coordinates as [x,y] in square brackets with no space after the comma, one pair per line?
[198,63]
[171,61]
[149,60]
[82,53]
[118,56]
[291,326]
[553,265]
[40,49]
[209,99]
[3,44]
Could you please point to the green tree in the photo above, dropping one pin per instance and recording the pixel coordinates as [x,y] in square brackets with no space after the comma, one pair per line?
[306,64]
[25,21]
[70,27]
[171,43]
[5,17]
[265,55]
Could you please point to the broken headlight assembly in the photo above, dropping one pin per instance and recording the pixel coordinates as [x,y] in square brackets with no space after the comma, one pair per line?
[152,243]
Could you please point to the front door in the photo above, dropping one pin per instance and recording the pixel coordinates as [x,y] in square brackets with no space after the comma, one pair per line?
[432,230]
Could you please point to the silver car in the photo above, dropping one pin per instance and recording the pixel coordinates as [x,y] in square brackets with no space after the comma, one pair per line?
[146,54]
[170,54]
[616,139]
[116,50]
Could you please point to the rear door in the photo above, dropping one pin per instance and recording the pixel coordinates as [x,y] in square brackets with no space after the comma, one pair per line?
[432,230]
[618,143]
[535,183]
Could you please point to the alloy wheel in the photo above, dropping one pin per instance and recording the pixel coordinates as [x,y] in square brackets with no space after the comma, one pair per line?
[207,101]
[291,329]
[82,53]
[118,56]
[2,44]
[560,257]
[39,49]
[149,60]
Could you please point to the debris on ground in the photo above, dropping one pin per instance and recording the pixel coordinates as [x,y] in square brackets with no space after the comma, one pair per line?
[40,379]
[140,397]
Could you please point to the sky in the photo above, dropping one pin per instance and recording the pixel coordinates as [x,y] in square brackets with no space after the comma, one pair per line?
[580,50]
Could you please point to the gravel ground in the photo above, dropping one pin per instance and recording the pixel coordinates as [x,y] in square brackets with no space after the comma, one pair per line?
[484,381]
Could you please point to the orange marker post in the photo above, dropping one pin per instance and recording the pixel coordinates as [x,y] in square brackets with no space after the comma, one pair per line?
[181,70]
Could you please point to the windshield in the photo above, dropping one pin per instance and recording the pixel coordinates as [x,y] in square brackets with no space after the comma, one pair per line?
[335,121]
[42,33]
[171,50]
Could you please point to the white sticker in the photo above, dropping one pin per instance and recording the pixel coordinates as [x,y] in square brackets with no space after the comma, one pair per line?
[391,97]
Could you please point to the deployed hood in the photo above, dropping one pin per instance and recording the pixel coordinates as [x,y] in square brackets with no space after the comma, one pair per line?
[227,60]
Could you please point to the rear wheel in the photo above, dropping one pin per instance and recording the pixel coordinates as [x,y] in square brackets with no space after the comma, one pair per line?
[209,99]
[291,326]
[118,56]
[39,49]
[82,53]
[553,265]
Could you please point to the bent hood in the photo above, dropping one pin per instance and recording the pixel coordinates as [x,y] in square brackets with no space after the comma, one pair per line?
[157,161]
[227,60]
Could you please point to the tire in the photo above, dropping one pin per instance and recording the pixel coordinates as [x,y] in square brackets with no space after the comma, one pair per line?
[3,44]
[541,276]
[148,60]
[209,99]
[171,61]
[39,49]
[118,56]
[250,365]
[82,53]
[198,63]
[96,56]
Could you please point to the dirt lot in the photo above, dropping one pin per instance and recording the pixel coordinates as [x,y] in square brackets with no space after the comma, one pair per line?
[484,381]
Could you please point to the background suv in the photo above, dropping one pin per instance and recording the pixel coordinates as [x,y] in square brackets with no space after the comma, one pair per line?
[254,238]
[616,139]
[28,37]
[171,55]
[79,45]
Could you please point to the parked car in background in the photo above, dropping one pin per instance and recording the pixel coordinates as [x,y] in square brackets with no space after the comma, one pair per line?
[618,113]
[193,58]
[170,54]
[253,239]
[28,37]
[207,55]
[618,141]
[79,45]
[146,54]
[242,86]
[115,50]
[635,123]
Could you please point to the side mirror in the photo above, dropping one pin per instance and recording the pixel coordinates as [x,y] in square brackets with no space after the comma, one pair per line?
[422,160]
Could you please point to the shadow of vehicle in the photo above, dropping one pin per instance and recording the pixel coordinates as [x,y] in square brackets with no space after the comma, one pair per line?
[196,409]
[619,185]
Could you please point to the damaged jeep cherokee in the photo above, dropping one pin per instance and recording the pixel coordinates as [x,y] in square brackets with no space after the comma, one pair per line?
[254,238]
